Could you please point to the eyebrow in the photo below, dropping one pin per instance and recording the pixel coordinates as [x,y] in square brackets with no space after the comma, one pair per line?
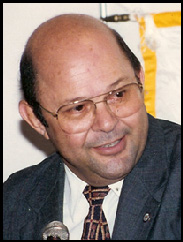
[111,86]
[114,84]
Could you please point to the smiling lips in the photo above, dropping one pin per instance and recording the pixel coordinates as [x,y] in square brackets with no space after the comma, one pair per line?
[111,144]
[111,148]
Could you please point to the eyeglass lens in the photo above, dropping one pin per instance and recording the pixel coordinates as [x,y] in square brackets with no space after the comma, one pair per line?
[77,118]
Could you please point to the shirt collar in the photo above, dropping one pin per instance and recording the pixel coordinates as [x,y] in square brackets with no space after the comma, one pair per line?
[76,184]
[116,187]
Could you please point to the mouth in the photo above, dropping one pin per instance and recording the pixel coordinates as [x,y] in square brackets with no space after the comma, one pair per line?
[110,144]
[112,148]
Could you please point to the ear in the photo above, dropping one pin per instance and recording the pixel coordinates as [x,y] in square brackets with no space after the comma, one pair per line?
[141,75]
[27,114]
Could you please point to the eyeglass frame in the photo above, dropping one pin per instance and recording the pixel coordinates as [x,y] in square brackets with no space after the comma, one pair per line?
[55,114]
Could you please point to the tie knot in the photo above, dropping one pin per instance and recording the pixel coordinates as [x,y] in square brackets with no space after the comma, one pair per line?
[95,195]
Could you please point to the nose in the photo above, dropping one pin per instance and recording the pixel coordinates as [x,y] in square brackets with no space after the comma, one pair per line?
[104,119]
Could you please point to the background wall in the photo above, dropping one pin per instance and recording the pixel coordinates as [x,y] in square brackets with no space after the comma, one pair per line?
[22,146]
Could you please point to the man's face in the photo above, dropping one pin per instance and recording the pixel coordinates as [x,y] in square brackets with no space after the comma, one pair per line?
[85,69]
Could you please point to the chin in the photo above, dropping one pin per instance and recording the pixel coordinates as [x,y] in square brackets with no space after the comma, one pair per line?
[115,169]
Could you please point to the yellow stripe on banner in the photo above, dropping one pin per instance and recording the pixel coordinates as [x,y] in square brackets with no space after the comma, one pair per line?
[150,63]
[169,19]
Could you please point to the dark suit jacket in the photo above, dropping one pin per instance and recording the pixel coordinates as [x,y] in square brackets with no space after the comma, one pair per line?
[33,197]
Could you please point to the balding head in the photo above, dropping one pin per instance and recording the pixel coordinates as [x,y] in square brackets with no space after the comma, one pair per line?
[68,25]
[64,31]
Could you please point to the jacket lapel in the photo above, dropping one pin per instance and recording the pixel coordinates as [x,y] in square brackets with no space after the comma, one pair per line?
[142,190]
[136,207]
[48,205]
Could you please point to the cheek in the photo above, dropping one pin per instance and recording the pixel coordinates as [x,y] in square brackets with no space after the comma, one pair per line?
[138,124]
[76,141]
[66,143]
[137,119]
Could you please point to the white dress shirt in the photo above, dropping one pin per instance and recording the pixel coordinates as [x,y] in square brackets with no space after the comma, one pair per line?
[76,207]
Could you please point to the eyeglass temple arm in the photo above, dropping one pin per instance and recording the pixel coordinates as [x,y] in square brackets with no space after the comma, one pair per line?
[55,115]
[139,83]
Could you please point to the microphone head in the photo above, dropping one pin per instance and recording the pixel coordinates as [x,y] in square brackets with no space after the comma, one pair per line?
[55,231]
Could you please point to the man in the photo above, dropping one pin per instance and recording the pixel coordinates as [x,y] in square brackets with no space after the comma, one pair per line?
[83,90]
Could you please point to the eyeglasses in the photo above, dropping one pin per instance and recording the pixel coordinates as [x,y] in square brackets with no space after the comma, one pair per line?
[78,116]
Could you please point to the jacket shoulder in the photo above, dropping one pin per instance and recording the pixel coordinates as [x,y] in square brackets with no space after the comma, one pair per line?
[172,138]
[22,181]
[20,188]
[170,134]
[170,128]
[169,218]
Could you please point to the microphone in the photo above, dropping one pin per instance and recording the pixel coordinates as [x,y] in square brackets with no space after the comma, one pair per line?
[55,231]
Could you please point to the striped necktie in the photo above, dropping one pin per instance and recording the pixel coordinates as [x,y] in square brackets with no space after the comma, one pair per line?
[95,224]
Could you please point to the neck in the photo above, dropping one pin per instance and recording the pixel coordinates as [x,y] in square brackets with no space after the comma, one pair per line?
[90,178]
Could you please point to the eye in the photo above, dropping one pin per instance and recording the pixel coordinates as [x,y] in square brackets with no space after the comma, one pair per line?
[78,108]
[120,93]
[75,109]
[117,96]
